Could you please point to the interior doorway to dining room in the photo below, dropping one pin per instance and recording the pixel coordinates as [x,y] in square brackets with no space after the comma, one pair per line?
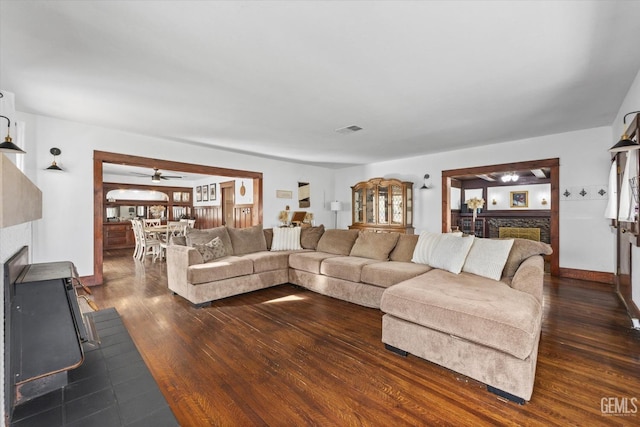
[228,190]
[253,211]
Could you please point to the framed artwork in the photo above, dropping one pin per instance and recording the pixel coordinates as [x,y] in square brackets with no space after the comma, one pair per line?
[519,199]
[284,194]
[205,193]
[304,195]
[198,193]
[185,197]
[212,192]
[177,197]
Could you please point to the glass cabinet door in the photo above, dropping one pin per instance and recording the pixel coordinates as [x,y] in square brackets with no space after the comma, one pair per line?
[383,205]
[396,204]
[370,206]
[358,206]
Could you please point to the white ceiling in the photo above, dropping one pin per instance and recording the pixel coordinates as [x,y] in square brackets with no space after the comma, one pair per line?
[276,79]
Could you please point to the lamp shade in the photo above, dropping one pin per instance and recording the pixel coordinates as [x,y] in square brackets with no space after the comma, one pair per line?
[336,206]
[625,144]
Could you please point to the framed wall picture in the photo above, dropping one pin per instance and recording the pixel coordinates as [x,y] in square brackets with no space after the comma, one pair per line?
[519,199]
[205,193]
[284,194]
[212,192]
[198,193]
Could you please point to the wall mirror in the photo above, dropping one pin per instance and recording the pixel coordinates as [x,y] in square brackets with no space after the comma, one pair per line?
[135,194]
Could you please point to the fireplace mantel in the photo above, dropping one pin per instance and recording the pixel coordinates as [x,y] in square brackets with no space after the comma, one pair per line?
[20,199]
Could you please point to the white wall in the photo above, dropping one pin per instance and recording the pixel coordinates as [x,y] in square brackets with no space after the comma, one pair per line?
[66,230]
[585,237]
[630,103]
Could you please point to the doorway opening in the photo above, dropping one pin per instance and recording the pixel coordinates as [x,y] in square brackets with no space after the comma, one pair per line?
[552,165]
[252,214]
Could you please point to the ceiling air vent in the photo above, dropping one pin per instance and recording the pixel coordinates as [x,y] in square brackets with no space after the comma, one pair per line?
[349,129]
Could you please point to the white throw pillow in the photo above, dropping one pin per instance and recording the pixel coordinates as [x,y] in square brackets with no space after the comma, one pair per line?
[286,239]
[426,242]
[450,252]
[487,257]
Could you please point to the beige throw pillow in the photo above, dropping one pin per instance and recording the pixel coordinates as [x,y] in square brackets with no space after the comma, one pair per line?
[374,245]
[310,236]
[487,257]
[404,248]
[337,242]
[247,240]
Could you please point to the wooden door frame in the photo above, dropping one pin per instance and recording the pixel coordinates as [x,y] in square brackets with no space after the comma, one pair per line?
[100,157]
[552,164]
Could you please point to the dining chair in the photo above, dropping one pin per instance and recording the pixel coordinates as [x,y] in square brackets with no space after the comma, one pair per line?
[152,222]
[136,225]
[190,222]
[149,244]
[174,229]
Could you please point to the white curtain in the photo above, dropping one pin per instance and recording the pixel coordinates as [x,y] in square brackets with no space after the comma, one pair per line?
[627,208]
[612,205]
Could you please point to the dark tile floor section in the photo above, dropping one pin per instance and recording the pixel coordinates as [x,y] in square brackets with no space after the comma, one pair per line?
[113,387]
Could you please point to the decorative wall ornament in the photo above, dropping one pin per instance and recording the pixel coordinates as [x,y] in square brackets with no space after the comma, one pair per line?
[586,192]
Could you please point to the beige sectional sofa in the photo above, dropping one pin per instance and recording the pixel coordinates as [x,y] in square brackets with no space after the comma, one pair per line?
[485,328]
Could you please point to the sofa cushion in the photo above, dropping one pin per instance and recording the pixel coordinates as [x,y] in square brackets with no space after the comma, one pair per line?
[200,237]
[269,261]
[346,268]
[247,240]
[404,248]
[286,239]
[385,274]
[338,242]
[222,268]
[308,261]
[469,307]
[310,236]
[374,245]
[521,250]
[487,257]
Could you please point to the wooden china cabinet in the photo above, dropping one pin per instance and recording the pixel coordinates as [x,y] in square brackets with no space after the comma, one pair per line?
[382,205]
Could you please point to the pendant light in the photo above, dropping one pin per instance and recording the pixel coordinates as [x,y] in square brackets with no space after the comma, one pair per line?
[625,143]
[8,146]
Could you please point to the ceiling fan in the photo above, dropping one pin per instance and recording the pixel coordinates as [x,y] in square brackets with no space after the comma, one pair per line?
[157,175]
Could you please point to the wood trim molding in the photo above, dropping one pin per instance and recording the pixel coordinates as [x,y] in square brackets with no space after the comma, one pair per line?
[592,276]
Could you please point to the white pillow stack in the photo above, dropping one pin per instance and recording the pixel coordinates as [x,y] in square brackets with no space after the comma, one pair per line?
[286,239]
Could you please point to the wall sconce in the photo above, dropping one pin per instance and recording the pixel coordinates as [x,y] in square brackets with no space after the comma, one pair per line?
[544,201]
[625,144]
[54,166]
[494,202]
[8,146]
[336,207]
[427,184]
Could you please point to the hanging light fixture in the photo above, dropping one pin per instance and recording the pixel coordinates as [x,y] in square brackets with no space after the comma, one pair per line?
[8,146]
[625,143]
[54,166]
[510,177]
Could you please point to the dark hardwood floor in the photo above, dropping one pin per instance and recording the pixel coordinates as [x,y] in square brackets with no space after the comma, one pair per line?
[286,356]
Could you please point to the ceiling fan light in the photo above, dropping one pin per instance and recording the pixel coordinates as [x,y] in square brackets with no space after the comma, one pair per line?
[155,178]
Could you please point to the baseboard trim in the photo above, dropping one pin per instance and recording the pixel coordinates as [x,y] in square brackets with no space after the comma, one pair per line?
[593,276]
[88,280]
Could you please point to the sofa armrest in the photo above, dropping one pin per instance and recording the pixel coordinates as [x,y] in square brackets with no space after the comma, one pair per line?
[529,277]
[179,258]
